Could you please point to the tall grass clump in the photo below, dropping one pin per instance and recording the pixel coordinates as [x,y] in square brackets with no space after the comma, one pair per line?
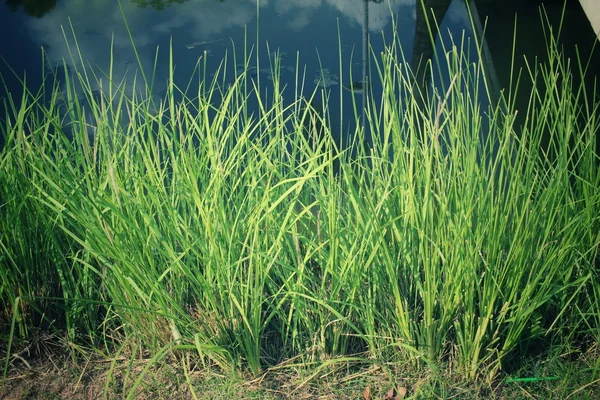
[229,225]
[494,236]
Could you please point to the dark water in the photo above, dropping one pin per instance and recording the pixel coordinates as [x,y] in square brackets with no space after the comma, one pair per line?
[310,30]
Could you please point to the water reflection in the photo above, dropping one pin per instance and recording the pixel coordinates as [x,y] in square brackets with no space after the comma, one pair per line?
[428,14]
[204,28]
[157,4]
[307,29]
[34,8]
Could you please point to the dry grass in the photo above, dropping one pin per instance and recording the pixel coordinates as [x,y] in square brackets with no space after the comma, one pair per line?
[56,375]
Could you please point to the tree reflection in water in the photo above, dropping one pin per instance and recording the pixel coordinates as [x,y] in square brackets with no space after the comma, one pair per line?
[34,8]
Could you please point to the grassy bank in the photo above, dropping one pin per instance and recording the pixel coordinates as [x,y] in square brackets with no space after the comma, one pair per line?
[199,229]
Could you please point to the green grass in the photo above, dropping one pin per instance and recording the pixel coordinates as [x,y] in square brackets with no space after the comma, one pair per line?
[195,228]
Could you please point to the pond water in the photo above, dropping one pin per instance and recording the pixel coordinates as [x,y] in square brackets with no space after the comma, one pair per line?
[313,37]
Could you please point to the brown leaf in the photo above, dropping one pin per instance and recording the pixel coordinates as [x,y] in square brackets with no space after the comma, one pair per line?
[367,393]
[392,394]
[401,392]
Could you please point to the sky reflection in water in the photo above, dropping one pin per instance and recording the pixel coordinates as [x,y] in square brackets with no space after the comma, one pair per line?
[307,29]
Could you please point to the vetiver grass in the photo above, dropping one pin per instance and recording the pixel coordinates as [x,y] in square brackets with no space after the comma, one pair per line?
[229,227]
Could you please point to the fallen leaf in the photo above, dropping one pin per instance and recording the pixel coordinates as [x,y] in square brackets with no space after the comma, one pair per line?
[401,392]
[367,393]
[392,394]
